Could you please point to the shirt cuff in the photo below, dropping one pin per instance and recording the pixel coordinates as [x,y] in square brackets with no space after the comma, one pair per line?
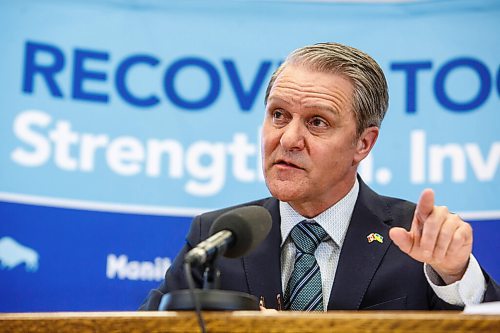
[467,291]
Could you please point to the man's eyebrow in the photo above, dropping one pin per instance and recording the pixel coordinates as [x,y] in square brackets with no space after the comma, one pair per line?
[277,99]
[314,106]
[327,108]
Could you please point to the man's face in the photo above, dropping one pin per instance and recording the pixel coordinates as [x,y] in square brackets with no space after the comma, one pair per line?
[309,145]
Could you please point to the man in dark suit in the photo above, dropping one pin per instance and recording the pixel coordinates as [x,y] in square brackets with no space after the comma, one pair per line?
[334,243]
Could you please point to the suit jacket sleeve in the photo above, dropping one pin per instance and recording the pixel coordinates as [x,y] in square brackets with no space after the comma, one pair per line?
[492,293]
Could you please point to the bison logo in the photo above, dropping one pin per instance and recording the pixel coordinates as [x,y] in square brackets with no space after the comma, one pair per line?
[13,254]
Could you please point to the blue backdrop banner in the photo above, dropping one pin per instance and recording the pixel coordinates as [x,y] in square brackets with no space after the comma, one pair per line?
[121,120]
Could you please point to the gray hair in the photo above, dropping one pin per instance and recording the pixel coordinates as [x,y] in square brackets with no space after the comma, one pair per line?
[370,96]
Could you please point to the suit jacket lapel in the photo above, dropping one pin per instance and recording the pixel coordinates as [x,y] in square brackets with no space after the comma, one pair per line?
[359,258]
[263,265]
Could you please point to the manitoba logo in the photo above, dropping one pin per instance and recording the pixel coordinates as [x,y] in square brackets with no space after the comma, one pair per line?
[120,267]
[13,254]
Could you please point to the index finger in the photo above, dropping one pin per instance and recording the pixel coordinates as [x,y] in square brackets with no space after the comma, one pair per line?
[425,205]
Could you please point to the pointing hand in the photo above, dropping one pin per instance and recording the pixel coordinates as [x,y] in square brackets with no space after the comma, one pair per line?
[436,237]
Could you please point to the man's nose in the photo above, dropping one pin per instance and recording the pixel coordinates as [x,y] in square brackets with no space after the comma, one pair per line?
[293,136]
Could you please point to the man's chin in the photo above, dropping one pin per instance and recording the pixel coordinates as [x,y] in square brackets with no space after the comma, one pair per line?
[286,191]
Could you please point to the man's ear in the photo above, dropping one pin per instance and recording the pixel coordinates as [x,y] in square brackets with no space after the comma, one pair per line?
[365,143]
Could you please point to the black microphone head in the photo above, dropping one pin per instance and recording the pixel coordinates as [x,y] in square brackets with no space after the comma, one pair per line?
[249,225]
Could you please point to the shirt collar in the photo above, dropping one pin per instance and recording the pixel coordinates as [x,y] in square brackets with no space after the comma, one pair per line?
[335,220]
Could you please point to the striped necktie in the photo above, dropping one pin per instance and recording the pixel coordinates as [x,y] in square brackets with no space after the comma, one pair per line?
[304,291]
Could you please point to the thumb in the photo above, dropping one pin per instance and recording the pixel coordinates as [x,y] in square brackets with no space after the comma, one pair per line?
[402,238]
[425,205]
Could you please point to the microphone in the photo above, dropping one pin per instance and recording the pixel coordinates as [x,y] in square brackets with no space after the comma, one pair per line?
[232,234]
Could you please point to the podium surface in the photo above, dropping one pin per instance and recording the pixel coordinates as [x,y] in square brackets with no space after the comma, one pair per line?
[249,321]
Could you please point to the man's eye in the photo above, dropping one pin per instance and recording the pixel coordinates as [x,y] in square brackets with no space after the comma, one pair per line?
[277,114]
[318,122]
[279,117]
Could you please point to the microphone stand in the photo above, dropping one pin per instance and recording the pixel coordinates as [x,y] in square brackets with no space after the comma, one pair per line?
[211,277]
[210,297]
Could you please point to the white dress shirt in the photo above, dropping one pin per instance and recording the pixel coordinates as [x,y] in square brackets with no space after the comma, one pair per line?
[335,220]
